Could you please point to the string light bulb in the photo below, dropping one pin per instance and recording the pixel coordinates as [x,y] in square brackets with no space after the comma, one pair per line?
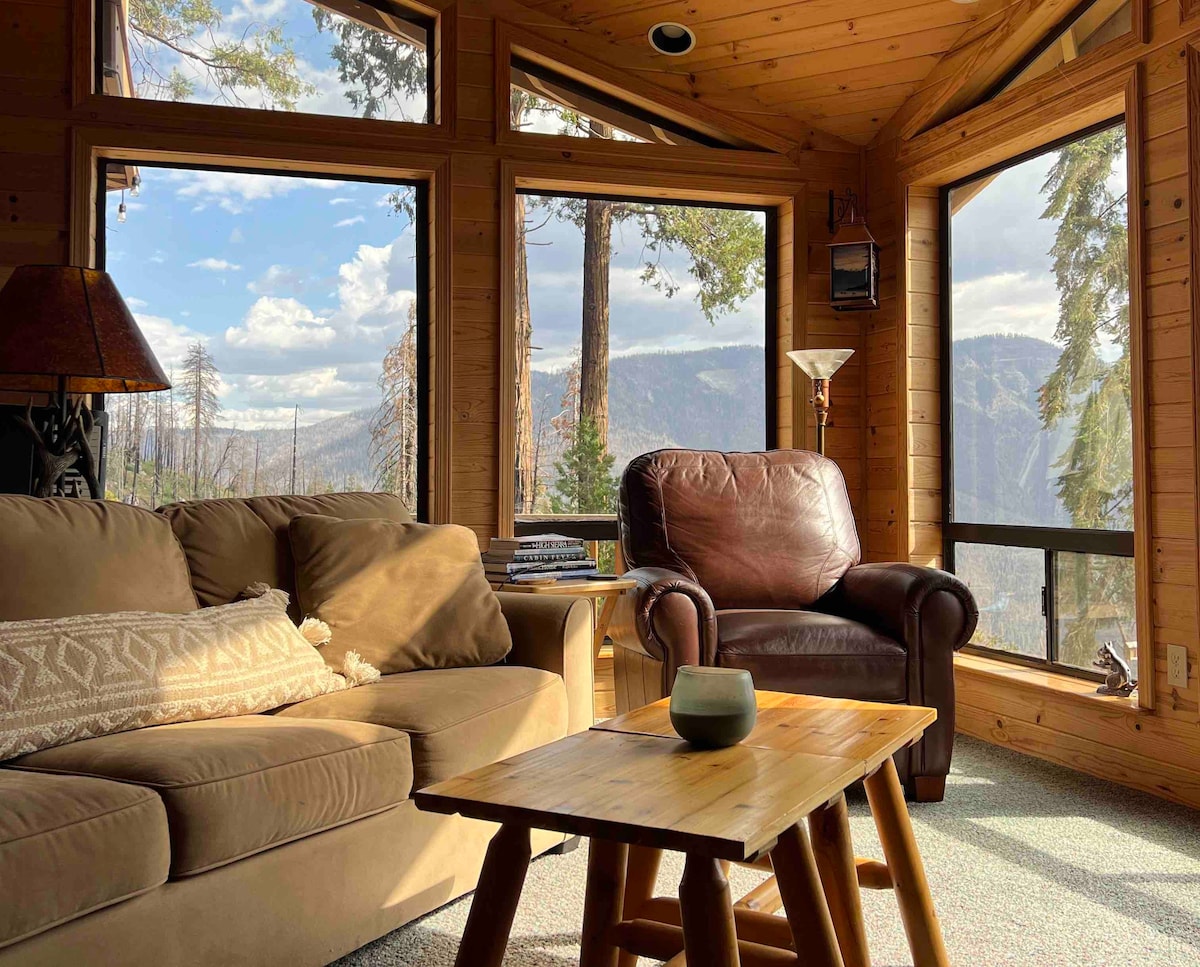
[121,209]
[136,188]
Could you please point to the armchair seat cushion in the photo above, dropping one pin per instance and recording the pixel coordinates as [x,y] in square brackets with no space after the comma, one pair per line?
[457,718]
[812,653]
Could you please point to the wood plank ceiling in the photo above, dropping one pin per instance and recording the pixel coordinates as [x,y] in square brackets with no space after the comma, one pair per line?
[806,59]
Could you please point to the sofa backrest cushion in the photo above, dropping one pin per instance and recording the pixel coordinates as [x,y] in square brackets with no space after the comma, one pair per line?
[232,543]
[755,530]
[65,556]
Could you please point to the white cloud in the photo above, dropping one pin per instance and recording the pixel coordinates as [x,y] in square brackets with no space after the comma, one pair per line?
[347,222]
[158,257]
[1015,303]
[235,191]
[255,10]
[341,201]
[277,279]
[277,325]
[135,303]
[236,237]
[214,265]
[168,339]
[309,384]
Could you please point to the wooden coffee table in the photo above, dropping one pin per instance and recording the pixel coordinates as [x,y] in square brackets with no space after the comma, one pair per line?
[634,788]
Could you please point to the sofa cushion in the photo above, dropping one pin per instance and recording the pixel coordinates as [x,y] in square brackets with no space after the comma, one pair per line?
[233,543]
[458,718]
[70,845]
[133,561]
[65,679]
[233,787]
[812,653]
[405,596]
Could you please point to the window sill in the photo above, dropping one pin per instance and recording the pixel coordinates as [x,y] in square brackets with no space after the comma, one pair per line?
[1061,686]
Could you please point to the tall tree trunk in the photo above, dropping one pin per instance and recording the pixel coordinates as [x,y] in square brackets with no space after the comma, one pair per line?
[525,471]
[597,254]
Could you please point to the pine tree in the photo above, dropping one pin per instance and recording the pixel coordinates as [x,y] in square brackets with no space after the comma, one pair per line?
[394,429]
[199,401]
[1089,390]
[585,483]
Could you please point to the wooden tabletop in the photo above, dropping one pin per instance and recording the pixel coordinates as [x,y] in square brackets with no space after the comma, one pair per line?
[632,780]
[578,588]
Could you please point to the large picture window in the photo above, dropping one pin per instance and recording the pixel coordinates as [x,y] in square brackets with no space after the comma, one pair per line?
[640,324]
[289,313]
[1037,422]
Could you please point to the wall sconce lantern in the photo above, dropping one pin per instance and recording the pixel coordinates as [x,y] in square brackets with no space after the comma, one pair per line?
[853,256]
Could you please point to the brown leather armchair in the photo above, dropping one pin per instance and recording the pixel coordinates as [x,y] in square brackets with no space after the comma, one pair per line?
[751,560]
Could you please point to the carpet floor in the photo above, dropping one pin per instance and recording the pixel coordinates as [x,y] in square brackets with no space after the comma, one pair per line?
[1029,863]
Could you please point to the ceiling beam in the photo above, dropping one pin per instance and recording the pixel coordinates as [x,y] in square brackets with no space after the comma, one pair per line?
[981,59]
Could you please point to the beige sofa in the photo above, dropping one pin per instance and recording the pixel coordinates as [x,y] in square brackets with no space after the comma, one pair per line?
[284,838]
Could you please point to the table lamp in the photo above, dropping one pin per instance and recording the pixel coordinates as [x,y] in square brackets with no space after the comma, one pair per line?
[819,365]
[66,330]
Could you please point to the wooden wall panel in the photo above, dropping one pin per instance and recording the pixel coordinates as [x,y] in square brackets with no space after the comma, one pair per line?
[1057,719]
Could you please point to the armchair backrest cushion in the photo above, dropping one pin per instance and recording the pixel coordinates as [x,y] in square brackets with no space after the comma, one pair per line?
[755,530]
[232,543]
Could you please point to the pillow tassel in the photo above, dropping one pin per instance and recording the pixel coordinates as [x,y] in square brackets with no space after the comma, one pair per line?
[315,631]
[358,672]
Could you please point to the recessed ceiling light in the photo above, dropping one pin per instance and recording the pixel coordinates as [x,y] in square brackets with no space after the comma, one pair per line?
[672,39]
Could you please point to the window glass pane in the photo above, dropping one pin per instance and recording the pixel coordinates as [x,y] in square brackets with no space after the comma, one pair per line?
[1094,604]
[1099,23]
[1007,583]
[545,102]
[639,325]
[287,55]
[284,311]
[1042,431]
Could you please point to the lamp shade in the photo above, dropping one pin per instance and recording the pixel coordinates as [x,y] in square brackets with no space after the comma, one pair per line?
[820,363]
[68,327]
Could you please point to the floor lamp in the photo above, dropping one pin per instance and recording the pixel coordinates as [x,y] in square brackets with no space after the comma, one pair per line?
[819,365]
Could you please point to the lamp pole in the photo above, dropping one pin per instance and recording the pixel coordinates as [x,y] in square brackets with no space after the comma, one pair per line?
[819,365]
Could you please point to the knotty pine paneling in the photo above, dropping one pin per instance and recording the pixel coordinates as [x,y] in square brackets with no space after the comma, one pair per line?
[1155,750]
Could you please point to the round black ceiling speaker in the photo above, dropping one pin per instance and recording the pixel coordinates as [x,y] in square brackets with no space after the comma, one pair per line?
[671,39]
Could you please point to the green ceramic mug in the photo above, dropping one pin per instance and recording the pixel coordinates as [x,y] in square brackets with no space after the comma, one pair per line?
[713,707]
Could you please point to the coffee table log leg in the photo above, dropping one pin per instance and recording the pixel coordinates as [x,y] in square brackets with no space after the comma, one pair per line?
[709,934]
[829,827]
[495,904]
[804,899]
[603,902]
[886,797]
[640,879]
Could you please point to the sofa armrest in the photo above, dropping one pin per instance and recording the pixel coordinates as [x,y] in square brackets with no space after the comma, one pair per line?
[554,633]
[921,607]
[667,617]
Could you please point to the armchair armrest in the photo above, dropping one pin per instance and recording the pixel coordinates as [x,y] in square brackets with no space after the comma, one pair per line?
[922,607]
[554,633]
[667,617]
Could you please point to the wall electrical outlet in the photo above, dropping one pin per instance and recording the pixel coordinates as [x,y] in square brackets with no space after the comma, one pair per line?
[1177,671]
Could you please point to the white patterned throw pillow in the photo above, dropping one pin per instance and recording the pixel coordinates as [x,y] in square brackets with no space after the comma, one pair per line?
[64,679]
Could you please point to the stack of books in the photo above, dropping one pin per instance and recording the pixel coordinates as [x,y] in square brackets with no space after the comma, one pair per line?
[516,559]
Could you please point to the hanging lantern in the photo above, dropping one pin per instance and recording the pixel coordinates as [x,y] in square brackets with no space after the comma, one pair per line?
[853,257]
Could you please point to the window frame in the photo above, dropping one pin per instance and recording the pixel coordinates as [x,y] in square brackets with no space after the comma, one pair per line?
[421,230]
[603,527]
[1051,540]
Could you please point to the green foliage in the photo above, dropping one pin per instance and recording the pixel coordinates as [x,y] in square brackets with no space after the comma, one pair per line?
[585,483]
[1086,391]
[258,60]
[383,68]
[725,247]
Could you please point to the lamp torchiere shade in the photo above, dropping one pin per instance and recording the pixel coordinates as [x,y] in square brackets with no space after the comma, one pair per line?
[819,365]
[67,329]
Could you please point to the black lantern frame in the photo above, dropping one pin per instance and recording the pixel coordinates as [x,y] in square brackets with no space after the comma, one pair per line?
[853,257]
